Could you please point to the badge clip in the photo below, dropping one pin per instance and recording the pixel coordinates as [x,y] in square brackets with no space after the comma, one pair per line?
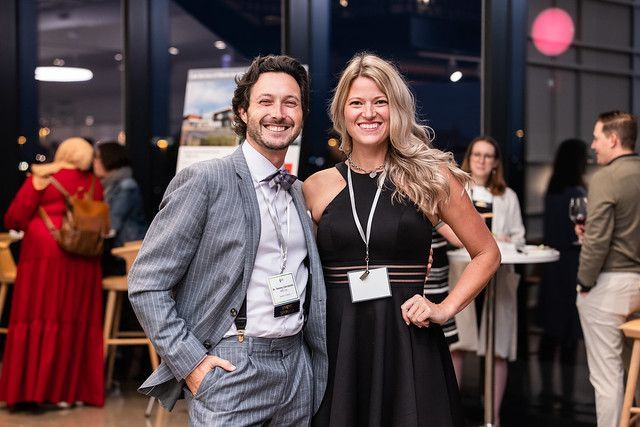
[365,273]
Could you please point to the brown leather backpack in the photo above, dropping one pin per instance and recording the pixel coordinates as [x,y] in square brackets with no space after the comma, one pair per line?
[85,223]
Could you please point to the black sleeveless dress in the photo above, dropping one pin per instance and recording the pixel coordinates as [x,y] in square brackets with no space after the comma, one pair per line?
[381,371]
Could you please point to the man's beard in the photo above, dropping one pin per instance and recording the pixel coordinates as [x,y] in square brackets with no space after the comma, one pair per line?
[256,136]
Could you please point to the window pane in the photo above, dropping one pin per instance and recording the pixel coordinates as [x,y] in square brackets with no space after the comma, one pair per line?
[85,34]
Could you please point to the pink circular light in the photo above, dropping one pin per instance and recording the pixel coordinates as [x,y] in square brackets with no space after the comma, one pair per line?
[552,31]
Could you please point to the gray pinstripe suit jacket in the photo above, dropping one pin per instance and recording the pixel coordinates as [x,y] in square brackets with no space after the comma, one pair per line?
[195,264]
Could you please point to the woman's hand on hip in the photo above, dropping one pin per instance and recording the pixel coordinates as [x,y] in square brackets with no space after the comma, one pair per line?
[421,312]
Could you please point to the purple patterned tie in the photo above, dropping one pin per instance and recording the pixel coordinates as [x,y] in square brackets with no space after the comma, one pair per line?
[282,178]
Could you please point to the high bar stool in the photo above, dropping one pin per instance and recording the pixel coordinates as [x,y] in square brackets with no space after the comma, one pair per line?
[631,329]
[117,287]
[7,270]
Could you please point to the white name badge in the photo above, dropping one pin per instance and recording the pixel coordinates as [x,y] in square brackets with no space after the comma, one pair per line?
[282,288]
[375,285]
[284,294]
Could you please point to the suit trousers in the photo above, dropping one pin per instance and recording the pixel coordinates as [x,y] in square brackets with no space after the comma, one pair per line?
[272,385]
[602,311]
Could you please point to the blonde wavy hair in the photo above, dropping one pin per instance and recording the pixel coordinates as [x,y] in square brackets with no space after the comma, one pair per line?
[416,168]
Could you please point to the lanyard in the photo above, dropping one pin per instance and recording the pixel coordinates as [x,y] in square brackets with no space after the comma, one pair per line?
[365,238]
[275,219]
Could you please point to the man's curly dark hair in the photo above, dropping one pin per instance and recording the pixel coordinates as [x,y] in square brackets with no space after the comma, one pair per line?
[267,64]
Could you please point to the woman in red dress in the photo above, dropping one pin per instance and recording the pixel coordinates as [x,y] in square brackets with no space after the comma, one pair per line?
[53,352]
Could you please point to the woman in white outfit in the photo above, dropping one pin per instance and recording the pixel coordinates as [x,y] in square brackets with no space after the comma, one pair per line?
[498,204]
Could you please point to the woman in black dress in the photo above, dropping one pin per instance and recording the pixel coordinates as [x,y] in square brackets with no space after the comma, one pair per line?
[557,312]
[388,359]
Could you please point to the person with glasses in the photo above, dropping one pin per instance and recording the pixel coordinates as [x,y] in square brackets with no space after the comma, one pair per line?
[499,206]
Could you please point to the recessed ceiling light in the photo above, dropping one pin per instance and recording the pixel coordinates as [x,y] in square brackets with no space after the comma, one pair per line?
[63,74]
[58,62]
[117,57]
[220,45]
[174,50]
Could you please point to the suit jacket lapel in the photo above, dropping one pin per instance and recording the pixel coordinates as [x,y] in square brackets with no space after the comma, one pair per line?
[251,213]
[315,269]
[301,207]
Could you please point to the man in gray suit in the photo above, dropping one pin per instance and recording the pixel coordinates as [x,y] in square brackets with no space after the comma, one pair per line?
[228,284]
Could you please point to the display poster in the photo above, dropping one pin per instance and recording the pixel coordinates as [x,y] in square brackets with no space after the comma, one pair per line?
[206,131]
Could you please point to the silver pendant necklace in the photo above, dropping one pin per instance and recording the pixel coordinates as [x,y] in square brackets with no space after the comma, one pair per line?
[372,173]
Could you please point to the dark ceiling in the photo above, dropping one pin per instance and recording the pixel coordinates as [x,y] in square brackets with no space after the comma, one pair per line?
[425,37]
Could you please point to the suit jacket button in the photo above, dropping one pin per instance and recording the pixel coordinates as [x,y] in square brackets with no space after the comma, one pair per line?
[207,344]
[234,312]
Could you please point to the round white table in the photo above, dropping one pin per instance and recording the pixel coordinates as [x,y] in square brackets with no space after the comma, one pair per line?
[528,254]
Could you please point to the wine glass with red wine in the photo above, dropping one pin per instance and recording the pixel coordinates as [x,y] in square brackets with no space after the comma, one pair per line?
[578,212]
